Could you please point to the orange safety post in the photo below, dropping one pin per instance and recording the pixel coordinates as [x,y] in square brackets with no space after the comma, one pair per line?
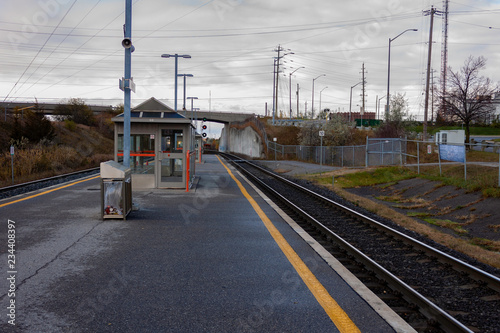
[187,171]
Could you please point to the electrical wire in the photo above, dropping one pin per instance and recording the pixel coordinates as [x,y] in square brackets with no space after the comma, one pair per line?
[39,51]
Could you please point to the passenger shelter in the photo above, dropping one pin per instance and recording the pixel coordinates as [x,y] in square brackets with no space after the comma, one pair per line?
[162,146]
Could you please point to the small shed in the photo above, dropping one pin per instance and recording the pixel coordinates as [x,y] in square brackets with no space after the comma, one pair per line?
[450,137]
[162,144]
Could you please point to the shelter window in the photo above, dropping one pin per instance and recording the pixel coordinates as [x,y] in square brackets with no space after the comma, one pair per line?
[171,141]
[142,152]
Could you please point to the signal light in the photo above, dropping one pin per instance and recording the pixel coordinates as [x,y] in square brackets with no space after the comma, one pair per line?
[204,135]
[204,118]
[204,127]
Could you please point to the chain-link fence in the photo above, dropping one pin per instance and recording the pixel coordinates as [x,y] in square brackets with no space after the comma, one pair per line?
[391,151]
[423,156]
[341,156]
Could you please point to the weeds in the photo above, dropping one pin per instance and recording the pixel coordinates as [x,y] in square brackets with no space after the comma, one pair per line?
[418,214]
[457,227]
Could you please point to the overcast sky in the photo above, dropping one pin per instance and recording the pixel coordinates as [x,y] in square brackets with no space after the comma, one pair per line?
[53,50]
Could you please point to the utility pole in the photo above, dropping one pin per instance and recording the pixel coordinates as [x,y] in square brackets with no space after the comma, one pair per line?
[429,58]
[275,91]
[279,49]
[274,87]
[432,95]
[444,55]
[363,92]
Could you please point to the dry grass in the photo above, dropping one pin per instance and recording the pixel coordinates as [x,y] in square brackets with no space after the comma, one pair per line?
[486,251]
[472,248]
[71,151]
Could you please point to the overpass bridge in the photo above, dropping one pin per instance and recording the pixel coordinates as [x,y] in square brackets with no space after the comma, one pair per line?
[244,139]
[222,117]
[231,139]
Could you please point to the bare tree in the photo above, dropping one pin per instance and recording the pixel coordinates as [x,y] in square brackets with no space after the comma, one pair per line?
[469,95]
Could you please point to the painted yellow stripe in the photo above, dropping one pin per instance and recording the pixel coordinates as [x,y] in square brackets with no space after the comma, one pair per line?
[46,192]
[331,307]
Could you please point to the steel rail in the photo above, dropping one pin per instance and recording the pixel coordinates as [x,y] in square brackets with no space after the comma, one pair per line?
[478,274]
[38,181]
[428,308]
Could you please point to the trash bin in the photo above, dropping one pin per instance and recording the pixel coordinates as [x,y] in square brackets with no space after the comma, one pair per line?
[116,190]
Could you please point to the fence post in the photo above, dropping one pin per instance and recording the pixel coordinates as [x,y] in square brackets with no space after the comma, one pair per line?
[366,154]
[465,163]
[439,158]
[400,151]
[418,157]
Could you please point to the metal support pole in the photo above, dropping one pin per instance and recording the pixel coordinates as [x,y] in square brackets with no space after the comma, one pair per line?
[465,163]
[426,103]
[184,95]
[418,157]
[321,152]
[386,113]
[175,93]
[127,88]
[297,100]
[366,153]
[389,71]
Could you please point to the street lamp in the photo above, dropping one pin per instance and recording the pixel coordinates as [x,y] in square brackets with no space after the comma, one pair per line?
[312,106]
[389,70]
[192,98]
[184,95]
[350,101]
[290,86]
[176,56]
[320,97]
[378,101]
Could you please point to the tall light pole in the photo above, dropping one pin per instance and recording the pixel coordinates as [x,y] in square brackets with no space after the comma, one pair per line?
[320,97]
[127,84]
[378,101]
[192,98]
[350,100]
[312,105]
[389,70]
[176,56]
[184,95]
[290,86]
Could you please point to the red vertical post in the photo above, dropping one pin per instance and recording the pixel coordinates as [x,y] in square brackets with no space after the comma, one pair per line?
[187,170]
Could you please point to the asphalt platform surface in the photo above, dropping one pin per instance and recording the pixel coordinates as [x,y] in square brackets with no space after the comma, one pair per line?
[198,261]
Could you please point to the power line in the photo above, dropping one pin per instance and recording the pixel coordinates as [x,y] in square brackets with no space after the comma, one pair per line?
[39,51]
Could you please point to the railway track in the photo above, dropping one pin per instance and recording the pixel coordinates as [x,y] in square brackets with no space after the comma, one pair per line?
[430,289]
[17,189]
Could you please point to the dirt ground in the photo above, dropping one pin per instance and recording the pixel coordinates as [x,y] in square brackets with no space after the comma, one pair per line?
[451,210]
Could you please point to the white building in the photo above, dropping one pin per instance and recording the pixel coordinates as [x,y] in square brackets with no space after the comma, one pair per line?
[450,137]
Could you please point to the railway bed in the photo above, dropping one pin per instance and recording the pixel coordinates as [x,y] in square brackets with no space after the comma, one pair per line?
[9,191]
[432,290]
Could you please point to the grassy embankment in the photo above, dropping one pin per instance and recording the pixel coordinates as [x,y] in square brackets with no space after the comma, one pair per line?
[480,179]
[75,147]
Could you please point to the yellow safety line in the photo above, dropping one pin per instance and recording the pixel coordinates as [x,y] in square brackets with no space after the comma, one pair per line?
[331,307]
[49,191]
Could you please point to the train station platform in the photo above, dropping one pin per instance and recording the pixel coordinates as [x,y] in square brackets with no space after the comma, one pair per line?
[219,258]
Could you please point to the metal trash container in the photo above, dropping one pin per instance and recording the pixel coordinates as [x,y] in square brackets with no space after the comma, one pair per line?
[116,190]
